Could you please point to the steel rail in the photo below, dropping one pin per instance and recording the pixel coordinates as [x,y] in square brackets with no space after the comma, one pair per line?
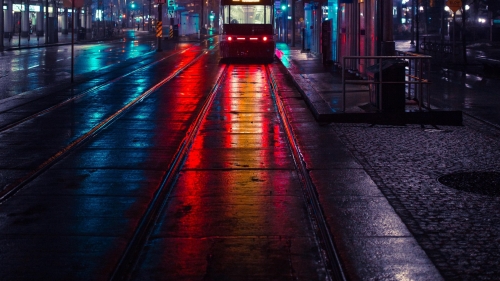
[84,93]
[129,259]
[11,189]
[329,256]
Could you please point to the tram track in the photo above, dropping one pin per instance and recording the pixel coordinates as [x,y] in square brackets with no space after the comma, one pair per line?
[128,261]
[129,258]
[139,237]
[9,190]
[330,257]
[86,92]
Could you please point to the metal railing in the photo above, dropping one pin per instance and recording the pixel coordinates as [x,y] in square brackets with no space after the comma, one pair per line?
[441,48]
[417,74]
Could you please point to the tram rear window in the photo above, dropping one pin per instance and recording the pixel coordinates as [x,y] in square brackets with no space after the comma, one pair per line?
[248,29]
[245,14]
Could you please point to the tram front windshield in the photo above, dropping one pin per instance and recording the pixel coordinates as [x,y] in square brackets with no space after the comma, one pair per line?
[247,14]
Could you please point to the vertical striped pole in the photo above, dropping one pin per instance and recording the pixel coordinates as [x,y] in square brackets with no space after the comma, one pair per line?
[159,31]
[159,27]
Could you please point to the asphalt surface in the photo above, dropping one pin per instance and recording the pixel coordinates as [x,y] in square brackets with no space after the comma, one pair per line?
[389,215]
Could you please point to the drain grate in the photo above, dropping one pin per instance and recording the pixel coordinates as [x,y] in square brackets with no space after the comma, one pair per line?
[485,183]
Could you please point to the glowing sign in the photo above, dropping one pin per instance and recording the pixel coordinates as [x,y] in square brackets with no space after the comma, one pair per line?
[247,1]
[454,5]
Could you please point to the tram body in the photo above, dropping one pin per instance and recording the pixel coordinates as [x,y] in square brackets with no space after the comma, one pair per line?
[247,29]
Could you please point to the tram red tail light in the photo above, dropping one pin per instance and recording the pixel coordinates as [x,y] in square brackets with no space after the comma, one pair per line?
[230,38]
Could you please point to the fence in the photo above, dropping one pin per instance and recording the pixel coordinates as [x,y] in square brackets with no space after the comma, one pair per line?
[440,48]
[416,76]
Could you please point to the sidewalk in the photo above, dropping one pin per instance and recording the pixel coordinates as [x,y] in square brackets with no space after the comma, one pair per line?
[322,89]
[62,39]
[34,41]
[382,192]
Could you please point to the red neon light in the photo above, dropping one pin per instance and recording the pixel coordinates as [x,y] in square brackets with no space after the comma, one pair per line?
[229,38]
[240,38]
[265,38]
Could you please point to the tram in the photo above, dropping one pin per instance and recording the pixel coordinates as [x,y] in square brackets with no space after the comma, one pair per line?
[246,28]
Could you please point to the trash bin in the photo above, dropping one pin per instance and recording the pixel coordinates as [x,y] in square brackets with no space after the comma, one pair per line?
[81,33]
[392,98]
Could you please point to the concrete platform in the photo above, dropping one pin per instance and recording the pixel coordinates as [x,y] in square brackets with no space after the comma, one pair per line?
[321,87]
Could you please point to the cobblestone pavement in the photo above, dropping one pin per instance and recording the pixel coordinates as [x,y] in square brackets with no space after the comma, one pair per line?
[460,231]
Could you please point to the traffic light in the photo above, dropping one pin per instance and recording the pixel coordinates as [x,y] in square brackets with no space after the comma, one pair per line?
[283,7]
[132,5]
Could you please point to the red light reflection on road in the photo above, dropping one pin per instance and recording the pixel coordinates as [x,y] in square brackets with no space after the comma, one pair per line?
[235,184]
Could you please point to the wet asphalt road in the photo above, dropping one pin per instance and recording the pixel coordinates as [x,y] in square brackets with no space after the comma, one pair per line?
[77,178]
[28,69]
[74,220]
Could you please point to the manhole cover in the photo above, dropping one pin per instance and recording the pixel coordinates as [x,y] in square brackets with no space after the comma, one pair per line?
[485,183]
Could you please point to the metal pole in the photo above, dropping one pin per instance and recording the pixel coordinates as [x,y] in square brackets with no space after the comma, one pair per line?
[98,20]
[293,23]
[283,24]
[103,18]
[464,44]
[1,27]
[453,35]
[72,37]
[110,15]
[47,21]
[418,32]
[412,22]
[20,27]
[343,86]
[490,20]
[201,16]
[286,22]
[55,23]
[380,25]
